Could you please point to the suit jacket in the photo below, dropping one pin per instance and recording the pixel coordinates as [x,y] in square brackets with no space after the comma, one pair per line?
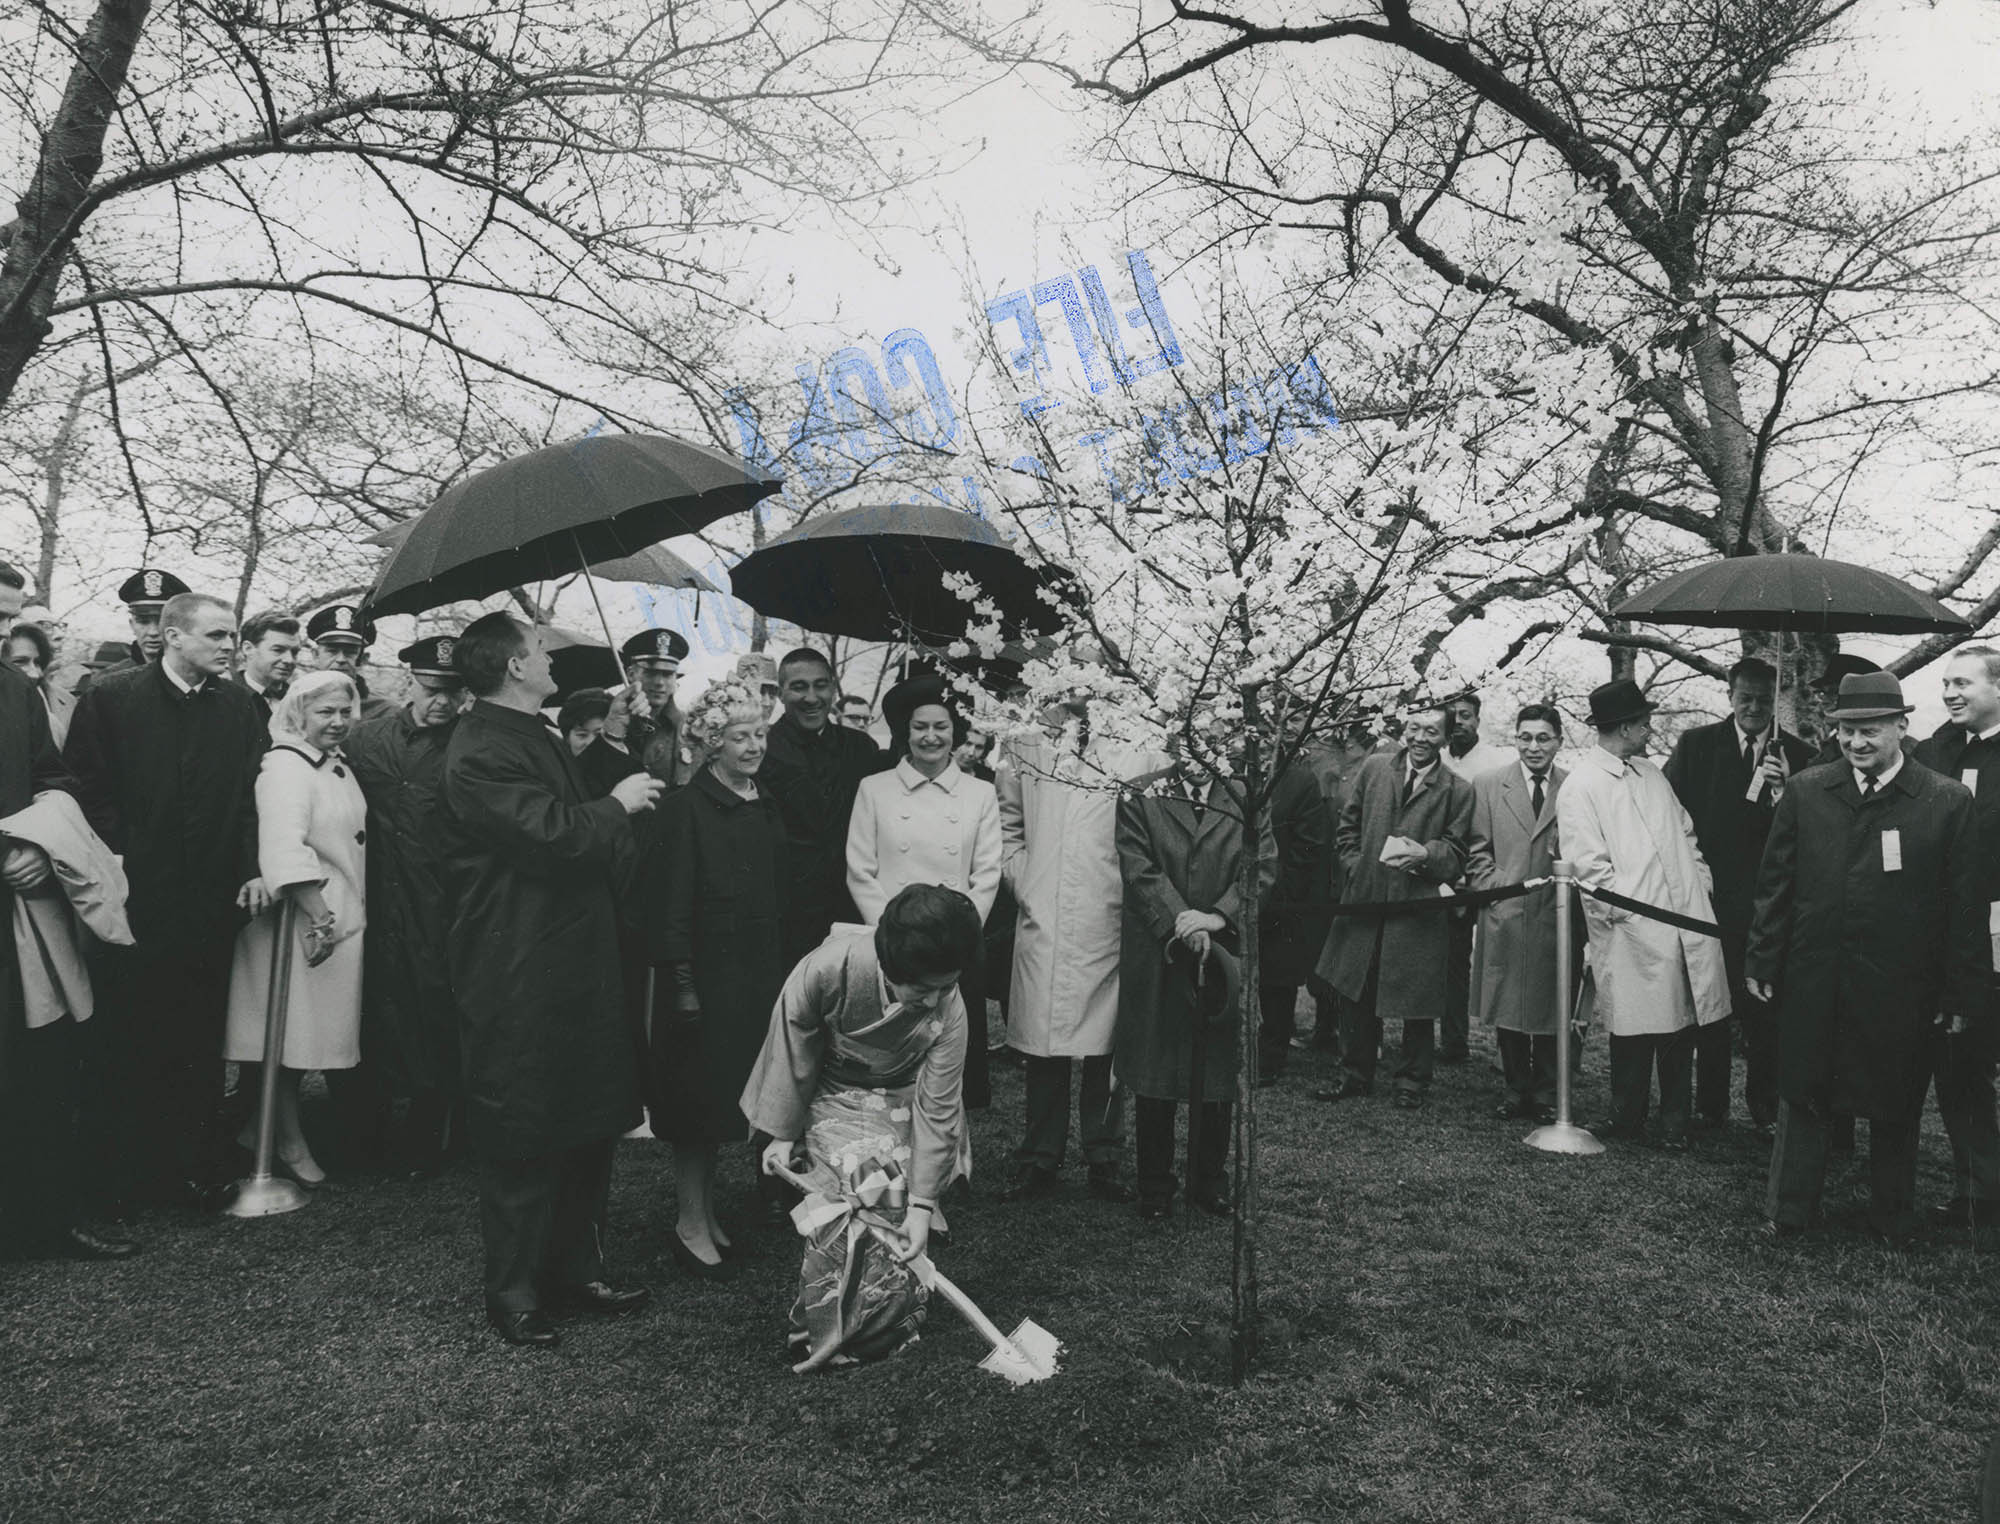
[1944,752]
[1412,950]
[1865,955]
[168,780]
[1514,959]
[1710,776]
[242,680]
[1172,860]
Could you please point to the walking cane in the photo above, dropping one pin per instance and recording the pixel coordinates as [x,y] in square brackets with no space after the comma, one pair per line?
[263,1194]
[1561,1136]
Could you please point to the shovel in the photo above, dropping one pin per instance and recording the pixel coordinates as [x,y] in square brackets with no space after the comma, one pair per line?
[1028,1354]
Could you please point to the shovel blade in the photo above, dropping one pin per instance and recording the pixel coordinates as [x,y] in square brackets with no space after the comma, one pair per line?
[1029,1355]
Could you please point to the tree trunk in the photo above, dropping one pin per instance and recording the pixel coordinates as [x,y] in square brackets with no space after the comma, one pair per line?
[1243,1239]
[51,209]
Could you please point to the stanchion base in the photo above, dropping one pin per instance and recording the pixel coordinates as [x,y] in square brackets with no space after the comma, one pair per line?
[265,1196]
[1559,1139]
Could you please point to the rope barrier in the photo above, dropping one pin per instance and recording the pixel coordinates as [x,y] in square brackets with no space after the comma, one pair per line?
[1653,912]
[1473,898]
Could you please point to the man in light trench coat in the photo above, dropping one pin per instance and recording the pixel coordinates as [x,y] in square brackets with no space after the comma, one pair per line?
[1622,828]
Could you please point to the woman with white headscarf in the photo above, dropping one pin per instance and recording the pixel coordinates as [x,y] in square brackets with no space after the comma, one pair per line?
[311,852]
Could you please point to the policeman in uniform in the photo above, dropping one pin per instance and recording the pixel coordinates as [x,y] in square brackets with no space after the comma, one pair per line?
[409,1022]
[144,594]
[653,665]
[342,634]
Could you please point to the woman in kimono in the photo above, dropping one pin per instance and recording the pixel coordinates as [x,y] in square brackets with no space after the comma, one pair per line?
[860,1071]
[311,830]
[711,877]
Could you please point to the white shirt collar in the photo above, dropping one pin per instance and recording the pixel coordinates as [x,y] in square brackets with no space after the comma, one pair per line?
[1528,775]
[1747,744]
[1987,735]
[176,679]
[1895,767]
[912,780]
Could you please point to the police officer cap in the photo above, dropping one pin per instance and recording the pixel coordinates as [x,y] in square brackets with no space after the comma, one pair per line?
[664,647]
[340,621]
[431,657]
[148,588]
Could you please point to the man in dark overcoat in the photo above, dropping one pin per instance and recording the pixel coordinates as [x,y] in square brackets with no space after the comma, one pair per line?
[1180,852]
[1869,930]
[1514,985]
[1291,936]
[409,1020]
[1402,836]
[1728,777]
[814,769]
[165,758]
[39,1065]
[1964,747]
[551,1076]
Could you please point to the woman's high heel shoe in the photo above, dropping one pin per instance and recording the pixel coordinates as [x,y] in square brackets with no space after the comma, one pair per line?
[304,1169]
[699,1268]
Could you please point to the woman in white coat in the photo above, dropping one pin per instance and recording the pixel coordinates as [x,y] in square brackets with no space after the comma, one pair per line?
[927,822]
[312,853]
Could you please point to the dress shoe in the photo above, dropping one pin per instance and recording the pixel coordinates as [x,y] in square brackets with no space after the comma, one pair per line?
[1674,1142]
[1708,1124]
[1106,1186]
[1545,1116]
[1776,1232]
[1408,1100]
[1621,1132]
[1513,1111]
[699,1268]
[83,1243]
[1155,1208]
[1347,1092]
[1962,1213]
[195,1196]
[1452,1056]
[529,1328]
[1216,1203]
[1031,1182]
[601,1298]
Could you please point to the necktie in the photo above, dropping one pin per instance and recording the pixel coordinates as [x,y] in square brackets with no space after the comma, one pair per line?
[1409,786]
[1868,788]
[1537,795]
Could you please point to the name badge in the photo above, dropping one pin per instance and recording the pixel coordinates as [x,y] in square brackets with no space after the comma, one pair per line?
[1970,778]
[1892,851]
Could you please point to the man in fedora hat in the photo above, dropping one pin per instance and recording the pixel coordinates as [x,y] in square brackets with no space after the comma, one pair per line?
[1869,933]
[1622,829]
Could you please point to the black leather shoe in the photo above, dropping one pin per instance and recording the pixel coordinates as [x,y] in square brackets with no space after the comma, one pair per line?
[1106,1186]
[602,1298]
[1545,1116]
[1347,1092]
[1776,1232]
[1408,1100]
[82,1243]
[699,1268]
[1215,1203]
[1030,1183]
[530,1329]
[1955,1213]
[1452,1056]
[1513,1111]
[1155,1208]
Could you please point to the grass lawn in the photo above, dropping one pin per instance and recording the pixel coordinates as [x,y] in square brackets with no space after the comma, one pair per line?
[1469,1331]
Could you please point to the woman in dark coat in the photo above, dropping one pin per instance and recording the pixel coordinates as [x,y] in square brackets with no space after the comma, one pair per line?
[711,877]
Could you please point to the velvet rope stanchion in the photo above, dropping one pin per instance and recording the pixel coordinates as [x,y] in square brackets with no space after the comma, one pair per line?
[1562,1136]
[264,1194]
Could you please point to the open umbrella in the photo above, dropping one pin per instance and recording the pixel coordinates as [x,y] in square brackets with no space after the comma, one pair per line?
[654,565]
[1796,592]
[558,510]
[878,574]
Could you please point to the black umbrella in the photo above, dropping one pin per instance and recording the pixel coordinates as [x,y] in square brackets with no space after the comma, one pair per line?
[1793,592]
[655,565]
[555,511]
[878,574]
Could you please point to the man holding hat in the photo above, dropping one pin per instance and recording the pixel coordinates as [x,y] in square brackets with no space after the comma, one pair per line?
[409,1022]
[1870,934]
[1621,828]
[144,594]
[1402,835]
[653,666]
[342,633]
